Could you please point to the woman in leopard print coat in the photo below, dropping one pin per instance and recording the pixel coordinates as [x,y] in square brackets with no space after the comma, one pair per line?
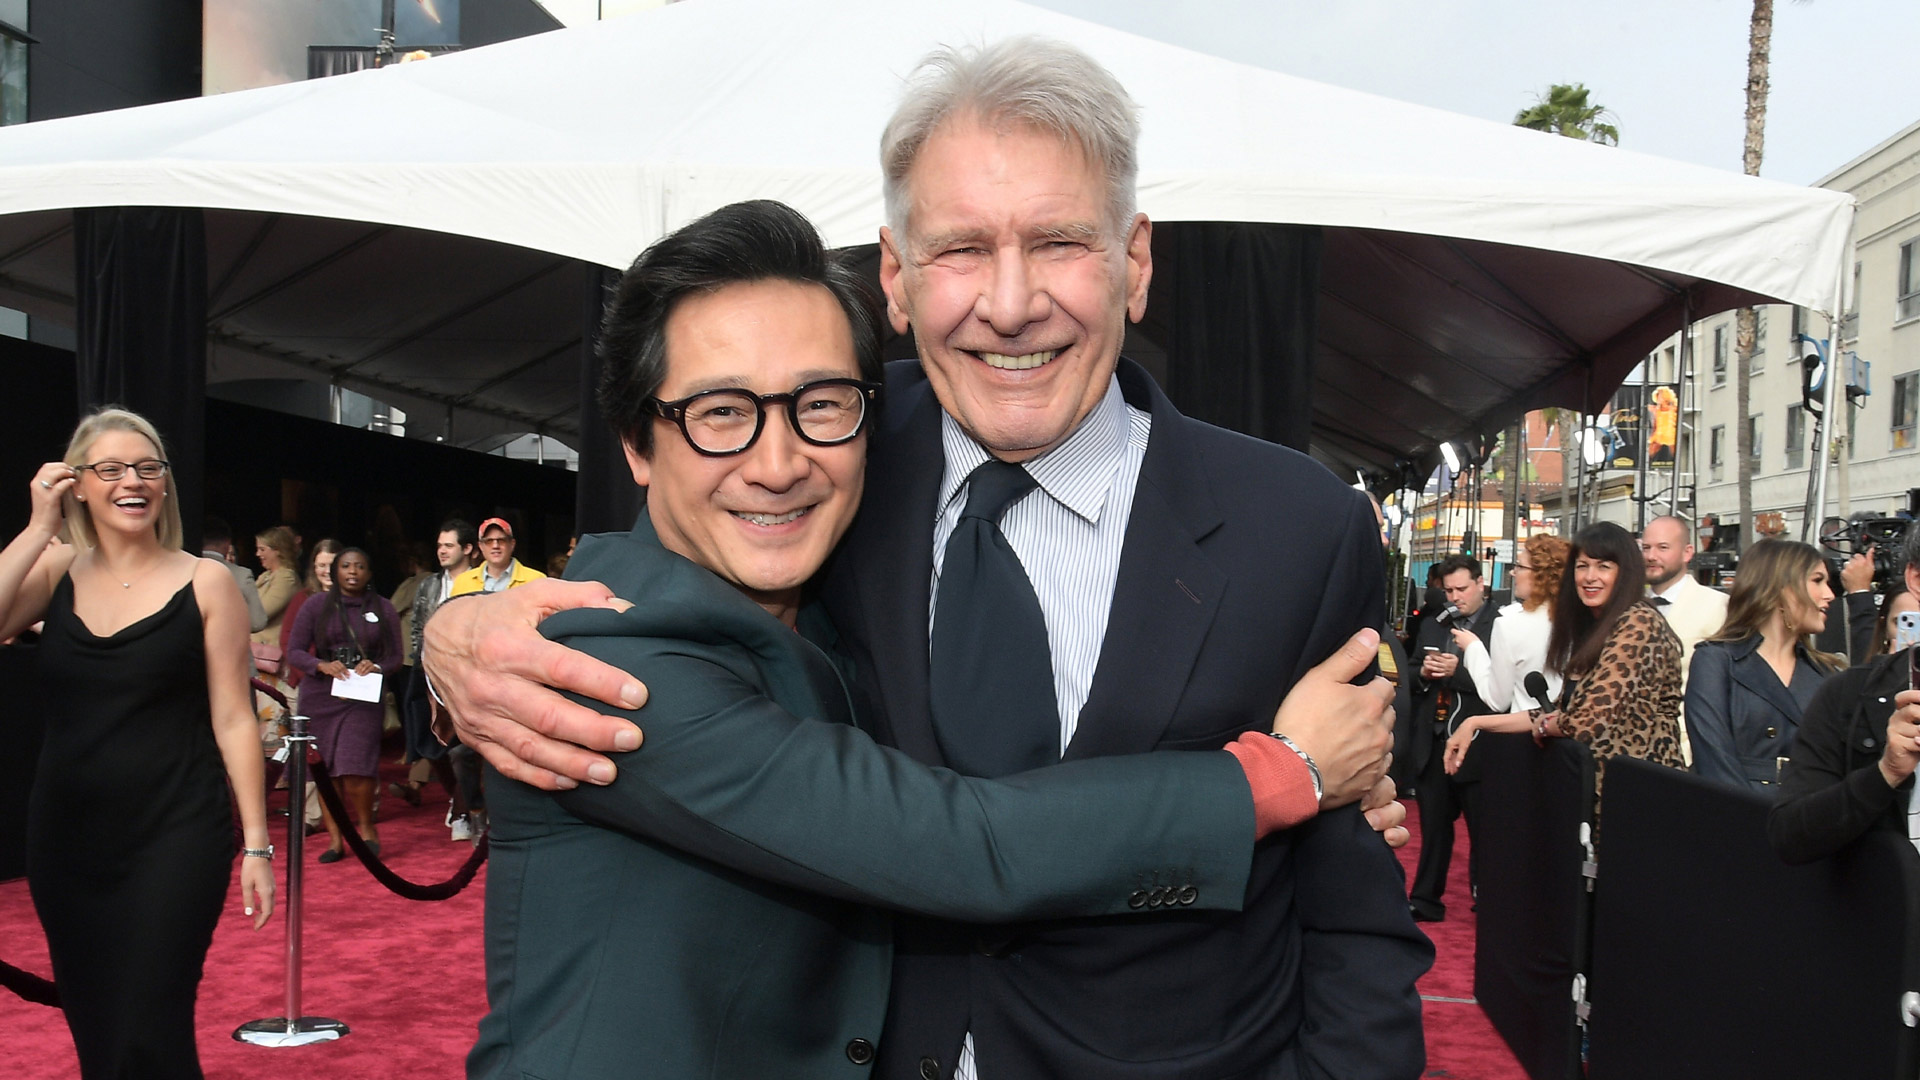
[1620,658]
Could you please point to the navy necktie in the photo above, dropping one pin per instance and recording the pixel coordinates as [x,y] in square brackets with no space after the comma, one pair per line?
[992,669]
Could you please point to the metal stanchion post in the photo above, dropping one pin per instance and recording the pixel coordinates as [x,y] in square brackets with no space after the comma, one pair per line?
[293,1029]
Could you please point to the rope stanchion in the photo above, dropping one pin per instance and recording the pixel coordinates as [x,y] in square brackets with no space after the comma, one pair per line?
[292,1029]
[395,884]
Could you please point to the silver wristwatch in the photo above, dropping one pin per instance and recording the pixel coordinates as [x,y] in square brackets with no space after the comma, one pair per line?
[1313,770]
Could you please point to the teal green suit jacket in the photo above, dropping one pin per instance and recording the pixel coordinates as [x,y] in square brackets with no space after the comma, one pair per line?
[719,910]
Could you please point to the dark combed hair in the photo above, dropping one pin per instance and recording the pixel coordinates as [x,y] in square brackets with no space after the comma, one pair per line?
[1459,562]
[1579,633]
[746,242]
[462,530]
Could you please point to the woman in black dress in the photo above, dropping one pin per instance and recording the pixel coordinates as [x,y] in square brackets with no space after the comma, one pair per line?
[144,660]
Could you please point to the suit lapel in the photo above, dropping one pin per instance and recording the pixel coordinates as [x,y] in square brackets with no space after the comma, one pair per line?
[1166,595]
[892,557]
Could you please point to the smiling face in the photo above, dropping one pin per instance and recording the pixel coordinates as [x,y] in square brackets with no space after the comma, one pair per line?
[496,549]
[323,568]
[1012,280]
[353,572]
[128,505]
[269,558]
[764,519]
[1593,580]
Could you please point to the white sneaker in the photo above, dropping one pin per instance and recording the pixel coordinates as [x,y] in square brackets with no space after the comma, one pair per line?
[462,829]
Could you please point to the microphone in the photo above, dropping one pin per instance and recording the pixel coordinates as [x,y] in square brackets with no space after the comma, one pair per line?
[1447,614]
[1536,685]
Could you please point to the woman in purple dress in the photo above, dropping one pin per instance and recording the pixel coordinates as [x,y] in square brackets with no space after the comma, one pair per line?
[349,630]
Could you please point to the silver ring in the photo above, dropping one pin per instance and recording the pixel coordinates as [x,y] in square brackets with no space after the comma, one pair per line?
[46,485]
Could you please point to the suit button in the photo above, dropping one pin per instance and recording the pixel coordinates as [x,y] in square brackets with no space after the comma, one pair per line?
[1771,733]
[929,1069]
[1138,900]
[1157,897]
[1189,894]
[860,1052]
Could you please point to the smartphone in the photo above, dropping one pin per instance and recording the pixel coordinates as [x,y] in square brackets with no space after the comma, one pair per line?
[1906,630]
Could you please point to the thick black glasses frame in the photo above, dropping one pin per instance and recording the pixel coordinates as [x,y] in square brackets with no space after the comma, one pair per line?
[676,411]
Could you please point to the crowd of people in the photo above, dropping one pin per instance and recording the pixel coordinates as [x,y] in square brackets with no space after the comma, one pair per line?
[1610,640]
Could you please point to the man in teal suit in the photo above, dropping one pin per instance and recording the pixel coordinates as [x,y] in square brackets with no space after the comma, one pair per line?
[717,910]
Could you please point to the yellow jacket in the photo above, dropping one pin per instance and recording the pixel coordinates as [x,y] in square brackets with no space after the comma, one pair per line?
[474,580]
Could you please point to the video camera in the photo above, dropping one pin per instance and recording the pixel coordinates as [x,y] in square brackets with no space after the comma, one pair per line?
[1883,535]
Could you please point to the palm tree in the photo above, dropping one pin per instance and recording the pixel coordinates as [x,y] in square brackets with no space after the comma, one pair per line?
[1564,110]
[1747,323]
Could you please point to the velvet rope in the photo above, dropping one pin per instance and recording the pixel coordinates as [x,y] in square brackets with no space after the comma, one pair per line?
[28,986]
[395,884]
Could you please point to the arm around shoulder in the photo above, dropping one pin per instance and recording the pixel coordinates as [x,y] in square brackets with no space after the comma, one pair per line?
[730,776]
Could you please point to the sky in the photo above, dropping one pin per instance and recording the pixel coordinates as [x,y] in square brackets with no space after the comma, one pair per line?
[1673,72]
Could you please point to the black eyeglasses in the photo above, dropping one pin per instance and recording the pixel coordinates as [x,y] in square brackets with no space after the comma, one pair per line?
[728,421]
[109,471]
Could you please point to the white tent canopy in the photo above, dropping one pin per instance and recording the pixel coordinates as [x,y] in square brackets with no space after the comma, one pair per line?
[1535,263]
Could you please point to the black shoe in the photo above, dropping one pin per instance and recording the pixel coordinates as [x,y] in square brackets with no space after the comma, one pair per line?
[1425,913]
[374,847]
[331,855]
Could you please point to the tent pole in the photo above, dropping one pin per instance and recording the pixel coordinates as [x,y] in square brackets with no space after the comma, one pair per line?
[1810,528]
[1683,374]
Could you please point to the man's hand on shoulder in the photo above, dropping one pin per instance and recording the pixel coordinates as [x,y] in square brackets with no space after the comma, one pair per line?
[486,660]
[1347,730]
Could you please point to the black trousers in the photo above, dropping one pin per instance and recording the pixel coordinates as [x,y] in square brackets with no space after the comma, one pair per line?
[1441,800]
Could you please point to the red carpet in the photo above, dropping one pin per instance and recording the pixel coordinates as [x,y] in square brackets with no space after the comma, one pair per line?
[1461,1043]
[408,979]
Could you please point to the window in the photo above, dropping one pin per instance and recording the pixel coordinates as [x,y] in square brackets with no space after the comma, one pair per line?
[13,67]
[1909,281]
[1754,429]
[1720,355]
[1796,436]
[1905,389]
[1716,452]
[1759,359]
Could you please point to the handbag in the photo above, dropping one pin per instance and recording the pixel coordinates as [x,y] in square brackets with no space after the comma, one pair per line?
[266,658]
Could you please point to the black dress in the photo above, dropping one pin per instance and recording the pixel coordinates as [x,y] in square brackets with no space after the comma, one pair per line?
[129,834]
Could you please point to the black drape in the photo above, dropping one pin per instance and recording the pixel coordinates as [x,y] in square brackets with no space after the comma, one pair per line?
[141,328]
[606,499]
[1234,306]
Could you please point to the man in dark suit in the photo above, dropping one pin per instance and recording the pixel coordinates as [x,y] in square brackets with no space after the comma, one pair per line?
[1446,695]
[1171,590]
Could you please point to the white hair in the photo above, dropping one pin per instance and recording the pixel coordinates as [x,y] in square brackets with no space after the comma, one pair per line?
[1033,82]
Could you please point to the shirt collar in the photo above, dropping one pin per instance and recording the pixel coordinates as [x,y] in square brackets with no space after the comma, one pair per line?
[1077,474]
[487,573]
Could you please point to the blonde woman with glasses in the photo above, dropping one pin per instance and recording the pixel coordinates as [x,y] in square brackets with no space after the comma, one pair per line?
[129,833]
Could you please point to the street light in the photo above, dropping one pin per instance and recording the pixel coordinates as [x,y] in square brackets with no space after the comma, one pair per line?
[1451,455]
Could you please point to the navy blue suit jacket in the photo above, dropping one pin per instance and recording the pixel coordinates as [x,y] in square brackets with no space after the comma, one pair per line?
[1244,564]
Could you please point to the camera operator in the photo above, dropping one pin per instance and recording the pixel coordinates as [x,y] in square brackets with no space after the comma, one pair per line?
[1853,761]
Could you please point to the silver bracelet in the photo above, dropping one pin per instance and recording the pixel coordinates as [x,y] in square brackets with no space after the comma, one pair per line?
[258,853]
[1312,769]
